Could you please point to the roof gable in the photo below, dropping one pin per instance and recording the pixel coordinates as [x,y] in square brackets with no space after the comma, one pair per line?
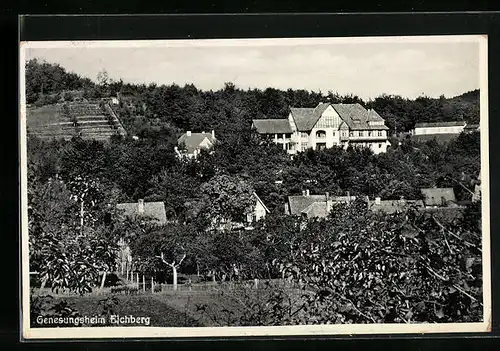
[261,202]
[194,141]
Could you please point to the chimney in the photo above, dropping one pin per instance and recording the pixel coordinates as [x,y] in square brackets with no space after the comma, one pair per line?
[188,133]
[327,196]
[213,133]
[348,196]
[307,192]
[140,206]
[377,201]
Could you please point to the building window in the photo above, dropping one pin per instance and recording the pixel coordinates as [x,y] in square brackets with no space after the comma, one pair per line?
[361,133]
[344,133]
[379,146]
[320,134]
[370,134]
[288,135]
[304,146]
[333,133]
[351,134]
[379,133]
[304,134]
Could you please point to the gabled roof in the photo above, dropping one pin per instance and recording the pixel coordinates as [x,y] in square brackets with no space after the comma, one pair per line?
[306,118]
[438,196]
[153,210]
[316,210]
[261,202]
[392,206]
[357,117]
[193,141]
[440,124]
[354,115]
[298,203]
[272,126]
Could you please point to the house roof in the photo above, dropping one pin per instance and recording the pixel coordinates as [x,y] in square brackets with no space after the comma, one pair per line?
[392,206]
[193,141]
[316,210]
[438,196]
[298,203]
[306,118]
[272,126]
[354,115]
[261,202]
[357,117]
[313,204]
[153,210]
[440,124]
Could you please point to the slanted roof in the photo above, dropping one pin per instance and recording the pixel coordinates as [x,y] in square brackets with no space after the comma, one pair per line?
[306,118]
[392,206]
[440,124]
[357,117]
[193,141]
[316,210]
[272,126]
[298,203]
[438,196]
[261,202]
[152,210]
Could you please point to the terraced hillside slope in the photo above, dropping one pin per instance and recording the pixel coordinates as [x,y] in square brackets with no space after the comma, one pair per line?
[89,120]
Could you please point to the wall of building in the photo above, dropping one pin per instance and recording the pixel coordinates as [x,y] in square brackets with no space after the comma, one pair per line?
[438,130]
[329,122]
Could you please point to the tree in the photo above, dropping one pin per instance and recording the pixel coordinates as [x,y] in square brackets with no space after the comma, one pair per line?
[164,247]
[70,248]
[226,199]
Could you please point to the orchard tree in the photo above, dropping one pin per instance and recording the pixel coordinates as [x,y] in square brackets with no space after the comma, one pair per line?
[226,199]
[164,247]
[71,243]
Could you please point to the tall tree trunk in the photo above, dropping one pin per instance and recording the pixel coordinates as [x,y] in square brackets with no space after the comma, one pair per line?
[174,274]
[103,279]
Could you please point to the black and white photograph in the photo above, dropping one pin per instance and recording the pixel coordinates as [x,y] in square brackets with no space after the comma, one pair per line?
[254,187]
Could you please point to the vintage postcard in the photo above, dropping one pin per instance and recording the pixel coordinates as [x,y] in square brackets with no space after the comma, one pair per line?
[256,187]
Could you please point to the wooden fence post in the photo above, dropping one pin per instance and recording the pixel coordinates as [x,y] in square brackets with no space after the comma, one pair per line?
[152,285]
[256,283]
[143,283]
[137,276]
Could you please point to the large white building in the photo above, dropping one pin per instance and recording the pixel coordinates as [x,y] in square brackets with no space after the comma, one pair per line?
[325,126]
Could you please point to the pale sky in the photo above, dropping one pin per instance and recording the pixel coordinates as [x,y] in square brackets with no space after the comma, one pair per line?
[367,69]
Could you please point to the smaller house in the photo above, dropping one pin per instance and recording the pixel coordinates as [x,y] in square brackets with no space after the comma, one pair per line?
[314,206]
[392,206]
[439,197]
[151,212]
[259,211]
[277,130]
[190,144]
